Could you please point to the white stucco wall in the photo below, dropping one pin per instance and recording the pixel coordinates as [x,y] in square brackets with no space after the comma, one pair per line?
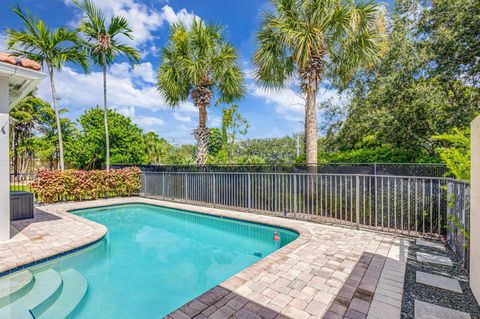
[475,210]
[4,161]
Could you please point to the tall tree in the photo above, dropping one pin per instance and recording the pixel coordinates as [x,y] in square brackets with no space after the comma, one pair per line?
[50,47]
[46,137]
[157,149]
[127,140]
[197,62]
[233,123]
[24,120]
[311,40]
[416,91]
[104,47]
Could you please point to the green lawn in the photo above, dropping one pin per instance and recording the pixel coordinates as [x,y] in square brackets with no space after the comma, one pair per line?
[24,188]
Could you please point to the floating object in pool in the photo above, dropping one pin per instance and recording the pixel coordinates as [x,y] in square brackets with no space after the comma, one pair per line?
[276,237]
[257,254]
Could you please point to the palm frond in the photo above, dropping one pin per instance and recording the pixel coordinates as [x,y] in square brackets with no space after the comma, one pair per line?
[52,46]
[199,56]
[103,45]
[317,38]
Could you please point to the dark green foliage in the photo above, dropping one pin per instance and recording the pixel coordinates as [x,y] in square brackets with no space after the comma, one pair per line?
[272,150]
[455,152]
[416,91]
[126,140]
[216,141]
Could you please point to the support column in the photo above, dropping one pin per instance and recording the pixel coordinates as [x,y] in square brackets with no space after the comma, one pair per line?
[475,209]
[4,161]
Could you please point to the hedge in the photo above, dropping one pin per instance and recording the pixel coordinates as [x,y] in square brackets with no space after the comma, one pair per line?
[55,186]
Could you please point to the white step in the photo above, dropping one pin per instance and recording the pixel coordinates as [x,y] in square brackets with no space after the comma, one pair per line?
[14,286]
[430,244]
[438,281]
[434,259]
[74,288]
[44,292]
[425,310]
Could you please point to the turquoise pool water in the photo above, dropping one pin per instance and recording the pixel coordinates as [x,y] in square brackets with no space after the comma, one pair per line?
[155,259]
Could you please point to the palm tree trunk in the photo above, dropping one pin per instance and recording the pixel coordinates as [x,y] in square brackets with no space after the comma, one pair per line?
[311,130]
[105,115]
[57,116]
[201,135]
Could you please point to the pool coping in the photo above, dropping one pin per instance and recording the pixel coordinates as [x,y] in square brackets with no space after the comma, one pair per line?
[241,282]
[64,210]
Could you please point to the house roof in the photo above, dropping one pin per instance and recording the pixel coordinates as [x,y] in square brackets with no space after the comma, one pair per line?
[23,75]
[18,61]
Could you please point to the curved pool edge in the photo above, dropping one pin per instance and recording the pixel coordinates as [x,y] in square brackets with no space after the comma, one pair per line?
[64,211]
[288,228]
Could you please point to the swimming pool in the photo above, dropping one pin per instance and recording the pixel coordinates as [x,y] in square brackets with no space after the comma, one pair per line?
[155,259]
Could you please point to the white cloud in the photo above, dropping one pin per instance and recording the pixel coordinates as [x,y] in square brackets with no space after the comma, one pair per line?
[182,16]
[84,91]
[3,42]
[214,121]
[144,20]
[285,101]
[132,92]
[185,112]
[148,121]
[145,71]
[290,104]
[127,111]
[182,118]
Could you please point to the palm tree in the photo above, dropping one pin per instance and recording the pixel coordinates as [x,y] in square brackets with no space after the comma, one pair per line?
[197,62]
[310,40]
[104,47]
[50,47]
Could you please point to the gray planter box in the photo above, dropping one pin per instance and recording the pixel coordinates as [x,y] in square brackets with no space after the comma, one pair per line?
[21,205]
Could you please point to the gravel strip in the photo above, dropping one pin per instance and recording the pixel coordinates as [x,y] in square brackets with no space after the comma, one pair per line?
[465,302]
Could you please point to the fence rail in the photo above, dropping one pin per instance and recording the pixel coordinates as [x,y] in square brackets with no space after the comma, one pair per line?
[398,169]
[404,204]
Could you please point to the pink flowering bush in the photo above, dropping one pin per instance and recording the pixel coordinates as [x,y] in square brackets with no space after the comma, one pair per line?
[55,186]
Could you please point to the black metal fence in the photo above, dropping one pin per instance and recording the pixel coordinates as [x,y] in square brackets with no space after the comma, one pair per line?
[401,169]
[458,223]
[411,205]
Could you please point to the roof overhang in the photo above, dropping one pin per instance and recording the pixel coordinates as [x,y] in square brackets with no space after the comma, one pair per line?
[21,81]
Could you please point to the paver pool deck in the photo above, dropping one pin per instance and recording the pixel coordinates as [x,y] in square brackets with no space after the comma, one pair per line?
[328,272]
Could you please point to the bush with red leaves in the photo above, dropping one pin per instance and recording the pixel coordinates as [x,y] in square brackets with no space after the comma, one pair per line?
[55,186]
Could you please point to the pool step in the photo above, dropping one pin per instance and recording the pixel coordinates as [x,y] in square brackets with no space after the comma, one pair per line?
[74,288]
[45,291]
[13,287]
[45,295]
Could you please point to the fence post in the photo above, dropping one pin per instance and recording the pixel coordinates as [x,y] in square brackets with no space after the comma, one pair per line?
[186,188]
[357,200]
[144,184]
[214,189]
[163,185]
[295,196]
[249,180]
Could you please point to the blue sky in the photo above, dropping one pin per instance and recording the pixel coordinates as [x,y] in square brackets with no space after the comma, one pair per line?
[132,91]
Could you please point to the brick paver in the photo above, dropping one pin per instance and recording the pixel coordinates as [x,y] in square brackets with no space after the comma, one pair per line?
[329,271]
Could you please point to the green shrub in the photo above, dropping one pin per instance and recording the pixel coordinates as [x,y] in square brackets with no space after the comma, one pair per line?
[456,152]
